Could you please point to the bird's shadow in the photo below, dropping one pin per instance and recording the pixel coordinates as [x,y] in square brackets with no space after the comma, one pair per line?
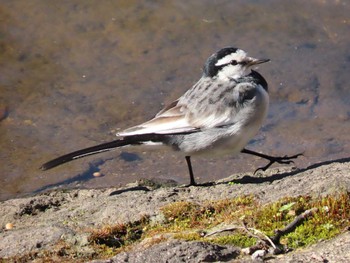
[88,173]
[130,189]
[247,179]
[83,177]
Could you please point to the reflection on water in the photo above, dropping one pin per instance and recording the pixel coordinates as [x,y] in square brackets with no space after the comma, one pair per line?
[74,72]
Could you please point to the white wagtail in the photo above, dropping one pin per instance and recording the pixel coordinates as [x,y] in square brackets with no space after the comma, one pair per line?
[218,115]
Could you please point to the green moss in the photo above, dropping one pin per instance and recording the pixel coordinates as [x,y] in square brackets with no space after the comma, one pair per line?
[240,240]
[189,236]
[332,215]
[190,215]
[188,221]
[119,235]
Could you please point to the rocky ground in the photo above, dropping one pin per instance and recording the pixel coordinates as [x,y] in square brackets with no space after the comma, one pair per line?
[42,221]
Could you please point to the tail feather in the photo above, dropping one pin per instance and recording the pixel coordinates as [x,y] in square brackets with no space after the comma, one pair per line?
[108,146]
[104,147]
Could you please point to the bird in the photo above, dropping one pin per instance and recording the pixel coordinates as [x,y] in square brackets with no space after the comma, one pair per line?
[217,116]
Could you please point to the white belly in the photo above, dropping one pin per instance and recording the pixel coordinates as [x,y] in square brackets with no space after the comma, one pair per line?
[239,134]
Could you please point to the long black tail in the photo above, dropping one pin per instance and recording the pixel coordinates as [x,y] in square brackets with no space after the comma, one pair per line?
[104,147]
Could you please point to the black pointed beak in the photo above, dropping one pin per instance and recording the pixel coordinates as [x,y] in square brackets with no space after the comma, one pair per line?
[254,61]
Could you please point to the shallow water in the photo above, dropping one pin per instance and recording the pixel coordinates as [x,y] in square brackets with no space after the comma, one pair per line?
[74,72]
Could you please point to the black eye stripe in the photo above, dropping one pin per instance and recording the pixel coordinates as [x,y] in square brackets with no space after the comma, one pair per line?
[233,62]
[221,66]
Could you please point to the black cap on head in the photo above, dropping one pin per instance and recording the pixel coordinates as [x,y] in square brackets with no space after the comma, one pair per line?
[210,70]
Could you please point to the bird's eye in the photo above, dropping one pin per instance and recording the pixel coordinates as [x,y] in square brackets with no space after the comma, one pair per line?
[234,62]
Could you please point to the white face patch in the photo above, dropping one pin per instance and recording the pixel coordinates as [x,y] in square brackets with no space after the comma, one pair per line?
[239,55]
[231,71]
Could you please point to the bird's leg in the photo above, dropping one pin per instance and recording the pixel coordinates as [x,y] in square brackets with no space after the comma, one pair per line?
[189,165]
[273,159]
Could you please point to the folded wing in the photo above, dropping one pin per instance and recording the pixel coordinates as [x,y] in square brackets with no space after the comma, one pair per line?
[190,113]
[177,118]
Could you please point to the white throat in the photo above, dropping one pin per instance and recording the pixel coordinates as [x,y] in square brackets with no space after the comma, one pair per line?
[233,72]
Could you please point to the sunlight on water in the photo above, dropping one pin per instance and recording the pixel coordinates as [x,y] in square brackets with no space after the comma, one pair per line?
[73,73]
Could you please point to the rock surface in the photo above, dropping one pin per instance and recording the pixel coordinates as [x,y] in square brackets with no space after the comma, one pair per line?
[177,251]
[41,221]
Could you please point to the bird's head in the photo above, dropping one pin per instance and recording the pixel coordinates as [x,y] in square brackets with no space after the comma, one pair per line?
[230,62]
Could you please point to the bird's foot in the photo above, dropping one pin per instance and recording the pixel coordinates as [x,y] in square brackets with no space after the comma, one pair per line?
[276,159]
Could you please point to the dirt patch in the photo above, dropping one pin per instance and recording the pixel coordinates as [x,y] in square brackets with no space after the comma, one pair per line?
[38,205]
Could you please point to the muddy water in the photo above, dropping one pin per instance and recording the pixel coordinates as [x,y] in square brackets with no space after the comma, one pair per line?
[74,72]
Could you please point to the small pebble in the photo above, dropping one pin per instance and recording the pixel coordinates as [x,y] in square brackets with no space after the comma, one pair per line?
[245,251]
[97,174]
[9,226]
[28,122]
[259,254]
